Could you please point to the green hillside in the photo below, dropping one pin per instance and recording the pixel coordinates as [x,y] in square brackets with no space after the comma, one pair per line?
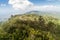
[30,27]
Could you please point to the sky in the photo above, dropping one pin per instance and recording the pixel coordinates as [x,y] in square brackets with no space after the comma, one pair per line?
[12,7]
[8,7]
[20,6]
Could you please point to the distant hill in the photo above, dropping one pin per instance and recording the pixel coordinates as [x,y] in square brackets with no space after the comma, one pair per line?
[30,27]
[54,14]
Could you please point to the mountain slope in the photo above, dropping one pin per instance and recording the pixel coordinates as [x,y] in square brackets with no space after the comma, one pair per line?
[54,14]
[30,27]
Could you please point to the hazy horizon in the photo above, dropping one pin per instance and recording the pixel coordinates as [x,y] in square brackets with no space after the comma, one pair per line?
[10,7]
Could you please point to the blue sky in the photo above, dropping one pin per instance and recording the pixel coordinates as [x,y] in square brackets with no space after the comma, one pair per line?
[9,7]
[3,1]
[4,5]
[35,2]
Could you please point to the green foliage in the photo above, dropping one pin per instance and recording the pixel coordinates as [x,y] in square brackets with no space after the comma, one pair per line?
[30,27]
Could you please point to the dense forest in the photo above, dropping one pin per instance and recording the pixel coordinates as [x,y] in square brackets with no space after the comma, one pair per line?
[30,27]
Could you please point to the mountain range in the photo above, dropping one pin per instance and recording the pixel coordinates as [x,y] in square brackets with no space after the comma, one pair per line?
[54,14]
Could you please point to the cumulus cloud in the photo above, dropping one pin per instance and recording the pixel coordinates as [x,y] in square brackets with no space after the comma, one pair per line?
[20,4]
[26,5]
[49,8]
[46,8]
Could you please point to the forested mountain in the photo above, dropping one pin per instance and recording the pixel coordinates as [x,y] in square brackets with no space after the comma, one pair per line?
[54,14]
[30,27]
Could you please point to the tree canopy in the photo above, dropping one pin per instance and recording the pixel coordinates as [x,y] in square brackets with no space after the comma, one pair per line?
[30,27]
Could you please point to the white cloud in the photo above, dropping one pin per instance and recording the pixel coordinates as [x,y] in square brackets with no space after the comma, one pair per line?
[46,8]
[20,4]
[26,5]
[49,8]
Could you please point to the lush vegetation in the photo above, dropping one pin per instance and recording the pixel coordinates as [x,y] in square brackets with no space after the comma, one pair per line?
[30,27]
